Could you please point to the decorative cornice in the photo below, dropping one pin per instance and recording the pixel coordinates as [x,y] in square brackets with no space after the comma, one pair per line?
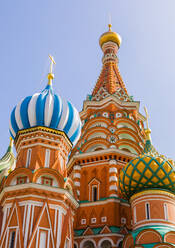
[152,192]
[35,186]
[45,129]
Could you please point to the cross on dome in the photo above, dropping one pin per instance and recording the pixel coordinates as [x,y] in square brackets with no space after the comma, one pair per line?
[52,61]
[51,75]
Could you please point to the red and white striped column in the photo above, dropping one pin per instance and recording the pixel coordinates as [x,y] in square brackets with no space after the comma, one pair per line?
[76,178]
[113,179]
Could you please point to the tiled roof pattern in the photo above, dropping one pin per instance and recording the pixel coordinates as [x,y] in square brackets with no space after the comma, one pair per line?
[111,81]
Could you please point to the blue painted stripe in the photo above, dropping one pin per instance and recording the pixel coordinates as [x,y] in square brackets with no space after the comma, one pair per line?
[13,121]
[56,112]
[76,133]
[11,134]
[48,87]
[70,119]
[40,107]
[24,112]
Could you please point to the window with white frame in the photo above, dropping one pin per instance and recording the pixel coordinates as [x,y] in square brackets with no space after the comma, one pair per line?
[135,216]
[93,220]
[47,158]
[12,239]
[83,221]
[103,219]
[147,211]
[123,220]
[94,193]
[166,211]
[29,152]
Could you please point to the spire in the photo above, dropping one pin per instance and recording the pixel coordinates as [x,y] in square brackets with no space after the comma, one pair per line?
[50,74]
[149,148]
[110,81]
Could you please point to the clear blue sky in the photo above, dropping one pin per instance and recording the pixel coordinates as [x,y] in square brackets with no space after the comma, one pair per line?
[69,30]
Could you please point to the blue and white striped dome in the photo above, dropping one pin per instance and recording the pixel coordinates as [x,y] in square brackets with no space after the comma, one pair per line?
[49,110]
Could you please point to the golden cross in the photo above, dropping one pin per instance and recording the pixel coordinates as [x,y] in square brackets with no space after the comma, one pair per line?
[51,63]
[147,117]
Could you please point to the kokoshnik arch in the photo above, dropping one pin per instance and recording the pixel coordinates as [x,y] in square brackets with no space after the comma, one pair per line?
[88,179]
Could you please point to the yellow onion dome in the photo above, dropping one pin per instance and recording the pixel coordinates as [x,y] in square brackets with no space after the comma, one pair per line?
[147,171]
[110,36]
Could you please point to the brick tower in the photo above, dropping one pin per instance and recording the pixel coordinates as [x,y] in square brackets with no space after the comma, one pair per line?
[112,135]
[38,199]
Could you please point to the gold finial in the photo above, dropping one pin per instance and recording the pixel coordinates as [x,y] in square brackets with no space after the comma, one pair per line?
[50,75]
[110,25]
[11,142]
[147,131]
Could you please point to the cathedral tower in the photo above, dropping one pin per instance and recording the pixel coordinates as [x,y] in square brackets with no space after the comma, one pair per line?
[112,135]
[148,182]
[37,197]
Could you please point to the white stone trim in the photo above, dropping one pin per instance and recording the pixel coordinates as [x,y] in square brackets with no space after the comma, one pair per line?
[32,216]
[100,235]
[77,167]
[113,187]
[41,187]
[77,175]
[113,170]
[113,179]
[77,184]
[112,162]
[113,195]
[27,225]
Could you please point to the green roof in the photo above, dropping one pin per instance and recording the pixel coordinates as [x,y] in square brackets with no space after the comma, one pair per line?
[7,161]
[97,230]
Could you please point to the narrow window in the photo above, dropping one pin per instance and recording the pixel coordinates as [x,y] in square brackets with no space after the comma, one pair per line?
[94,193]
[29,152]
[47,158]
[147,211]
[135,216]
[12,240]
[166,211]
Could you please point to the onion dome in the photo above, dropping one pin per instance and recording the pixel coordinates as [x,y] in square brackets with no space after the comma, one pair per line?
[7,162]
[148,171]
[46,109]
[110,36]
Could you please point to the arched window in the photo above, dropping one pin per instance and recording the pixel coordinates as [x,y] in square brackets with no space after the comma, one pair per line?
[29,152]
[147,211]
[12,240]
[47,158]
[94,193]
[88,244]
[135,216]
[165,211]
[106,244]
